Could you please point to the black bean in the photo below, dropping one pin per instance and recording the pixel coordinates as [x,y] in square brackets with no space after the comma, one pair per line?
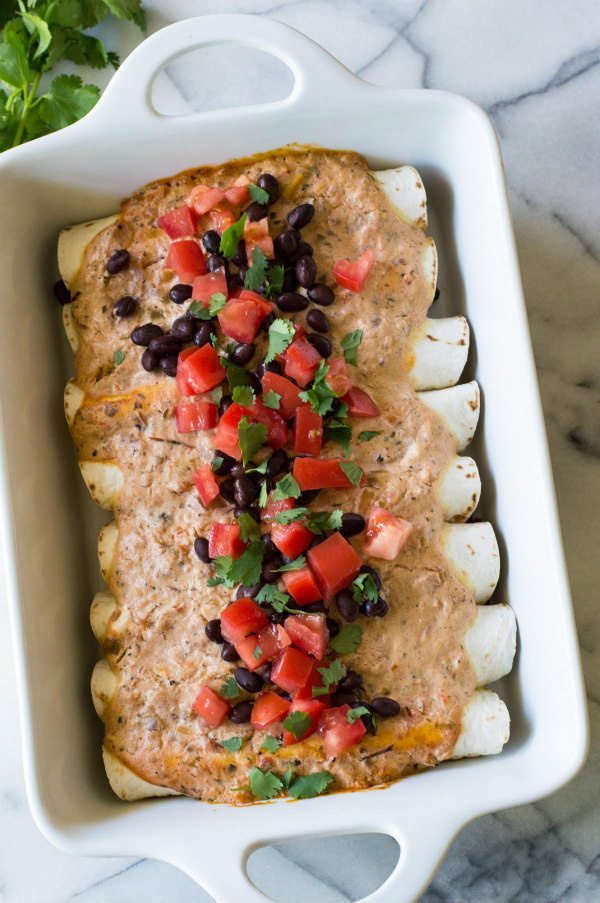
[265,671]
[247,592]
[306,271]
[202,334]
[316,608]
[351,681]
[352,524]
[201,549]
[321,294]
[61,292]
[212,241]
[347,605]
[278,463]
[180,293]
[125,306]
[183,328]
[291,301]
[304,249]
[213,631]
[269,184]
[225,403]
[306,497]
[150,360]
[255,212]
[271,367]
[344,698]
[276,617]
[244,492]
[238,470]
[266,323]
[321,343]
[290,282]
[271,551]
[367,569]
[316,319]
[117,261]
[214,262]
[242,272]
[269,569]
[240,258]
[142,335]
[242,353]
[254,382]
[286,243]
[301,216]
[333,627]
[168,364]
[164,344]
[385,707]
[234,281]
[377,609]
[247,680]
[241,712]
[225,466]
[316,541]
[229,653]
[227,489]
[367,719]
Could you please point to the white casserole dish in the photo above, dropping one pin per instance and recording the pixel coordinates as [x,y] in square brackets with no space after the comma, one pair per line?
[49,525]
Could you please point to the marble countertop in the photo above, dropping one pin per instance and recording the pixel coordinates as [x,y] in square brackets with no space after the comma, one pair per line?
[535,68]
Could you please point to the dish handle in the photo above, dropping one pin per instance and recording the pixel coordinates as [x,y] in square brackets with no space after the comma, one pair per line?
[318,77]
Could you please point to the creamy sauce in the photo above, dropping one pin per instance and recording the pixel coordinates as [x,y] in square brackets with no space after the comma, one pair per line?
[415,654]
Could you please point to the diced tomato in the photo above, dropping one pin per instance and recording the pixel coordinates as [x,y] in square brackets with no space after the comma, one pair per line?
[194,415]
[386,534]
[258,649]
[202,198]
[301,361]
[312,707]
[353,274]
[360,404]
[308,632]
[238,193]
[274,422]
[314,680]
[335,564]
[338,734]
[183,386]
[247,294]
[203,369]
[251,652]
[206,484]
[289,392]
[337,377]
[210,706]
[222,217]
[291,669]
[256,235]
[204,287]
[226,437]
[321,473]
[268,708]
[186,258]
[308,432]
[179,223]
[241,618]
[225,539]
[240,319]
[302,586]
[291,539]
[272,508]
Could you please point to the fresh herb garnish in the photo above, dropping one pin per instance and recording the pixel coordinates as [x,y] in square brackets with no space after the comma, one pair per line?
[264,784]
[217,394]
[217,461]
[231,237]
[287,488]
[318,522]
[348,639]
[251,437]
[350,344]
[367,435]
[243,395]
[260,468]
[352,471]
[354,714]
[217,302]
[297,723]
[245,570]
[287,777]
[294,565]
[256,653]
[263,495]
[279,601]
[208,311]
[271,744]
[222,564]
[233,744]
[307,786]
[291,515]
[262,275]
[272,400]
[249,529]
[364,588]
[119,356]
[236,375]
[340,433]
[330,676]
[319,396]
[229,689]
[281,334]
[258,194]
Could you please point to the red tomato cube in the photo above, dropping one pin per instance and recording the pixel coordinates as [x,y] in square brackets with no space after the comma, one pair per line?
[226,437]
[256,235]
[301,361]
[289,392]
[268,708]
[179,223]
[194,415]
[321,473]
[338,734]
[291,669]
[335,564]
[210,706]
[272,508]
[291,539]
[274,422]
[222,217]
[386,534]
[337,376]
[186,258]
[314,708]
[183,387]
[225,539]
[314,679]
[302,586]
[238,193]
[202,198]
[206,484]
[240,619]
[308,432]
[309,633]
[240,319]
[257,649]
[360,404]
[203,369]
[251,652]
[353,275]
[204,287]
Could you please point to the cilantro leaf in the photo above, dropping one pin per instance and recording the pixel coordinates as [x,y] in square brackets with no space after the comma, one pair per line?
[348,639]
[270,595]
[216,303]
[243,395]
[307,786]
[281,334]
[272,400]
[38,27]
[350,344]
[340,433]
[297,723]
[249,529]
[263,495]
[287,777]
[271,744]
[247,568]
[251,437]
[290,516]
[199,310]
[255,275]
[231,237]
[367,435]
[324,521]
[217,461]
[222,565]
[264,784]
[229,689]
[319,395]
[287,488]
[258,194]
[233,744]
[333,673]
[353,714]
[294,565]
[260,468]
[364,588]
[119,357]
[236,375]
[352,471]
[67,100]
[274,279]
[257,652]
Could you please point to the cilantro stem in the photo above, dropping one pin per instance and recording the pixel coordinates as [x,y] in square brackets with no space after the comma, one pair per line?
[27,102]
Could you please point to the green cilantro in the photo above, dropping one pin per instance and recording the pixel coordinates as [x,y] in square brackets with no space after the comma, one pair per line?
[348,639]
[297,723]
[231,237]
[251,437]
[258,194]
[199,310]
[350,344]
[256,273]
[307,786]
[287,777]
[214,341]
[331,675]
[264,784]
[249,529]
[260,468]
[271,744]
[216,303]
[294,565]
[247,568]
[229,689]
[233,744]
[217,394]
[340,433]
[119,357]
[281,334]
[274,279]
[272,400]
[352,471]
[243,395]
[364,588]
[291,515]
[236,375]
[257,652]
[217,461]
[287,488]
[319,395]
[354,714]
[263,495]
[222,565]
[320,522]
[367,435]
[279,601]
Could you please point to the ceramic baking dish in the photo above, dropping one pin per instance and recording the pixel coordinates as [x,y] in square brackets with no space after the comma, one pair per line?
[49,527]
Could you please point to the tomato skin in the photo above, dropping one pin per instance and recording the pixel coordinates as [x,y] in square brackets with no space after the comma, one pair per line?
[308,632]
[256,235]
[268,708]
[202,198]
[210,706]
[308,432]
[334,563]
[272,508]
[274,422]
[314,679]
[194,415]
[360,404]
[337,377]
[226,436]
[181,380]
[179,223]
[186,258]
[321,473]
[290,393]
[302,586]
[202,369]
[247,294]
[240,319]
[312,707]
[353,274]
[271,640]
[301,361]
[338,734]
[238,193]
[204,287]
[291,539]
[206,484]
[291,669]
[240,619]
[225,539]
[222,217]
[386,534]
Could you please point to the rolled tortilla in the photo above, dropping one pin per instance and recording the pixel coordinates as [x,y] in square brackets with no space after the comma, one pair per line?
[73,399]
[491,642]
[104,481]
[107,543]
[458,488]
[472,552]
[72,243]
[485,726]
[70,330]
[104,624]
[437,352]
[104,684]
[404,187]
[458,407]
[126,783]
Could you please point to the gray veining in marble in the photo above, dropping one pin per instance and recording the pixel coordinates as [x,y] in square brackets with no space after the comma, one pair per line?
[534,65]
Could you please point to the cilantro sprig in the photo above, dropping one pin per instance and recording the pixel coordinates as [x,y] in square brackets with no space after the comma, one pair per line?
[281,334]
[258,194]
[232,744]
[348,639]
[297,723]
[287,488]
[354,714]
[265,784]
[262,274]
[364,588]
[330,675]
[319,395]
[251,437]
[350,344]
[246,569]
[231,237]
